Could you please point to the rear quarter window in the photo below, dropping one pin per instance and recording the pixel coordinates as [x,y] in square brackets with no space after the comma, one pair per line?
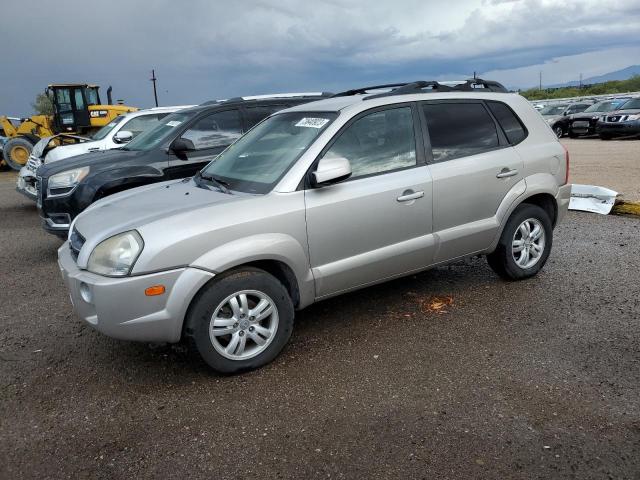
[511,125]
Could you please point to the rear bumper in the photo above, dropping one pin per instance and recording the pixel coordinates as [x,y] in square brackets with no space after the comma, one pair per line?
[119,308]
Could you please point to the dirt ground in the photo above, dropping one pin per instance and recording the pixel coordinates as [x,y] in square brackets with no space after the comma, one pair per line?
[613,164]
[450,374]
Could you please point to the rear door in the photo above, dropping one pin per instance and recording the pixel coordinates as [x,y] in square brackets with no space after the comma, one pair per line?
[473,167]
[210,134]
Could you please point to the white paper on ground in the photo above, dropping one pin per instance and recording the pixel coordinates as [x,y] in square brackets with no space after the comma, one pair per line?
[591,198]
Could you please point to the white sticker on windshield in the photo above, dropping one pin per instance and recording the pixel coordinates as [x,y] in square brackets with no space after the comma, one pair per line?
[173,123]
[312,122]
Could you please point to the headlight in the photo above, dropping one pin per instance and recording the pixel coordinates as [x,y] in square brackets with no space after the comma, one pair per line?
[632,117]
[67,179]
[595,117]
[116,255]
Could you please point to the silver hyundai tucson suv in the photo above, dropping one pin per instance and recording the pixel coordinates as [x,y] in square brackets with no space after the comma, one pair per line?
[315,201]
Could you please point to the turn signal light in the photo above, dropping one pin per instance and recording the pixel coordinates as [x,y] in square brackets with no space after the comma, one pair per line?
[155,290]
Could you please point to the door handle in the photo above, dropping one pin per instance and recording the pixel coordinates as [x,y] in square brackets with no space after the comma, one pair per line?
[409,195]
[505,172]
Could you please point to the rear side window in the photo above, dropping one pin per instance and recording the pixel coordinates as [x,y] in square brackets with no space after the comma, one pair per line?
[257,114]
[510,123]
[459,130]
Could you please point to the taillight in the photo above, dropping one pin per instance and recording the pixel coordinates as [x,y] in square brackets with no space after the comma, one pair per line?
[566,158]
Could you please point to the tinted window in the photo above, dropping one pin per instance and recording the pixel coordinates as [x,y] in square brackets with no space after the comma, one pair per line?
[459,130]
[257,114]
[79,99]
[512,127]
[138,125]
[378,142]
[216,130]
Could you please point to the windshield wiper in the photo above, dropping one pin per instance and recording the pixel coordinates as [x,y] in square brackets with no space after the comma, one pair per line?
[221,184]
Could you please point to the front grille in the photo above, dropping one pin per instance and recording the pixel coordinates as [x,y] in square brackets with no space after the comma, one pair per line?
[76,241]
[39,191]
[33,164]
[613,118]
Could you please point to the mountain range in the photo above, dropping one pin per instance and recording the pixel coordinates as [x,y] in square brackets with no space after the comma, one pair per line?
[623,74]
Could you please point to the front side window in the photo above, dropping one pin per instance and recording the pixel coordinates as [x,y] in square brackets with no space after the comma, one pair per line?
[159,134]
[137,125]
[512,126]
[378,142]
[459,130]
[257,161]
[216,130]
[104,131]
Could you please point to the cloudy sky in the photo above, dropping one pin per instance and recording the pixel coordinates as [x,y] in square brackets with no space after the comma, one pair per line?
[206,49]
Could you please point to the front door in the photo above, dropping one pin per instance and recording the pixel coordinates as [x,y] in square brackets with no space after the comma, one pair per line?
[473,169]
[377,224]
[210,135]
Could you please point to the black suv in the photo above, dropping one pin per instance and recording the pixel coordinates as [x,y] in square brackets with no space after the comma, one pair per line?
[585,123]
[178,147]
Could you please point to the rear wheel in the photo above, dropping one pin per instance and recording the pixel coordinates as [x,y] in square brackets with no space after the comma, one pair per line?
[16,152]
[524,245]
[572,135]
[241,321]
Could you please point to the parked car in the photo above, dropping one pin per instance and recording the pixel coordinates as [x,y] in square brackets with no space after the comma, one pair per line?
[177,147]
[115,134]
[584,123]
[558,116]
[624,121]
[318,200]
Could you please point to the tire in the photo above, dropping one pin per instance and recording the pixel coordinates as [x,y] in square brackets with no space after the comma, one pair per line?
[216,299]
[16,152]
[573,135]
[503,259]
[558,130]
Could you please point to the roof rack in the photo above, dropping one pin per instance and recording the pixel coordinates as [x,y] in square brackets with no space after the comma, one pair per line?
[269,97]
[422,86]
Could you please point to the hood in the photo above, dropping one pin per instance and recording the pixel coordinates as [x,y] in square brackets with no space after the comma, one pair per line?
[66,151]
[101,158]
[631,111]
[137,207]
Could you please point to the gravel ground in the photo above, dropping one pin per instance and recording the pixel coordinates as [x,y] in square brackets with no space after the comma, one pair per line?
[535,379]
[613,164]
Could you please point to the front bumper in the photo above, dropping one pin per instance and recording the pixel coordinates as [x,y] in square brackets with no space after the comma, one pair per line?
[26,184]
[619,128]
[562,201]
[119,308]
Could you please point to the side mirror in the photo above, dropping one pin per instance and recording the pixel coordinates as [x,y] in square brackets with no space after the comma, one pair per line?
[182,145]
[331,170]
[123,136]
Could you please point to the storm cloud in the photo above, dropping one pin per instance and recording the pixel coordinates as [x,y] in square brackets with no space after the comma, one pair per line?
[203,50]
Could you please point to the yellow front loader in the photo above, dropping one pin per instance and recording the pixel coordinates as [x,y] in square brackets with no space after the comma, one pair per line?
[76,110]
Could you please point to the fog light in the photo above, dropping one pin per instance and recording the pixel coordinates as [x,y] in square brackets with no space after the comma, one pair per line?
[155,290]
[85,292]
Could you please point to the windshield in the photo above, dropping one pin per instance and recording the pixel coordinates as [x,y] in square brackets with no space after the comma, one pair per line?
[603,107]
[158,134]
[104,131]
[553,110]
[257,161]
[633,104]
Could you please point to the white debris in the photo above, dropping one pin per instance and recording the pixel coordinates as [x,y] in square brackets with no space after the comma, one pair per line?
[591,198]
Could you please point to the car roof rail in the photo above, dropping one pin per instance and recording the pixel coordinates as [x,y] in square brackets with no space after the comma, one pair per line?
[430,86]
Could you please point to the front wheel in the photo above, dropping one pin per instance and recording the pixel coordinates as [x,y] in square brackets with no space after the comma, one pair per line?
[524,245]
[241,321]
[558,130]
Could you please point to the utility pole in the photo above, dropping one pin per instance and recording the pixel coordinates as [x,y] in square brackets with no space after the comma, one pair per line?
[153,79]
[580,81]
[540,79]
